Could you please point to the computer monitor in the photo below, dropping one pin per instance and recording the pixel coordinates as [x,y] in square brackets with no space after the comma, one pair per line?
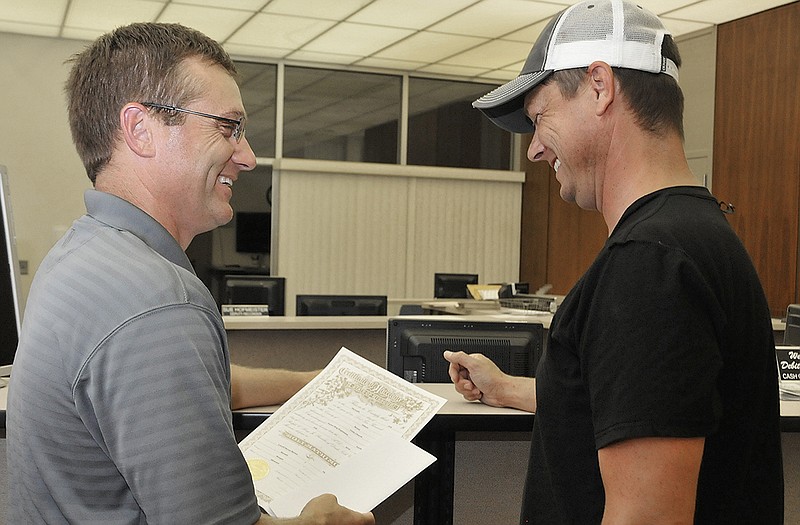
[453,285]
[309,304]
[254,290]
[791,336]
[416,345]
[10,313]
[253,231]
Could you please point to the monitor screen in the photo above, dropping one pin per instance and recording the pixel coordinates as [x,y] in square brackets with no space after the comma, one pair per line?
[416,345]
[341,305]
[256,289]
[10,314]
[253,231]
[453,285]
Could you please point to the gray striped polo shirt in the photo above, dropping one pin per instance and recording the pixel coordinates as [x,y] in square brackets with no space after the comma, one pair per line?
[119,402]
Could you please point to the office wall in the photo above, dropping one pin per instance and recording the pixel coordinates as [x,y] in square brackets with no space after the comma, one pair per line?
[697,79]
[386,229]
[46,178]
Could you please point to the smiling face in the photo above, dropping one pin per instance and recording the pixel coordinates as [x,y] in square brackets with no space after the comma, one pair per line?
[566,136]
[200,159]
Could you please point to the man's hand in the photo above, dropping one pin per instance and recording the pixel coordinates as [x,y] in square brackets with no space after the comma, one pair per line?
[476,377]
[325,510]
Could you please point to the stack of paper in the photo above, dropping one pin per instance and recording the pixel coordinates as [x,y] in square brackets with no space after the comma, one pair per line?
[348,432]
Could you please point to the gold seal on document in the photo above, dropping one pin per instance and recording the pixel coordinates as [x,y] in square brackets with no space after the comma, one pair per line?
[259,468]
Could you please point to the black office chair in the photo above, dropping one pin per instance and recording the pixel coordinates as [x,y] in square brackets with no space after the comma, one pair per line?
[339,305]
[412,309]
[453,285]
[791,336]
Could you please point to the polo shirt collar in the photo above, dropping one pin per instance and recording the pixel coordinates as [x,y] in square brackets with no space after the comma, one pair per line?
[122,215]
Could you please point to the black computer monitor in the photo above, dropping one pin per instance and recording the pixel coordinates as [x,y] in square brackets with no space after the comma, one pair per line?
[253,231]
[309,304]
[453,285]
[10,313]
[254,290]
[415,346]
[791,336]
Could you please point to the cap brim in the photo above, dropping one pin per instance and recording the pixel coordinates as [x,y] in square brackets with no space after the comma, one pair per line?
[504,106]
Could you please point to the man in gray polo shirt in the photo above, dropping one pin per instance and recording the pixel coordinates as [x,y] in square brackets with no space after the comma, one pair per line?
[119,405]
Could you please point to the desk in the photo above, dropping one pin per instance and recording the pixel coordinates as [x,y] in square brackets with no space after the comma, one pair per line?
[310,342]
[433,487]
[304,343]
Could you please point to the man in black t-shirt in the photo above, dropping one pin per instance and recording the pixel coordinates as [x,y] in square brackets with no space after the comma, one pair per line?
[657,398]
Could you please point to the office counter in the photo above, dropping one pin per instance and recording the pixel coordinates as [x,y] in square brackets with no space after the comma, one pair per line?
[434,488]
[308,343]
[304,343]
[469,439]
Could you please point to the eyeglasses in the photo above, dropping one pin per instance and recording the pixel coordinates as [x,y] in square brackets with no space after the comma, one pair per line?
[236,125]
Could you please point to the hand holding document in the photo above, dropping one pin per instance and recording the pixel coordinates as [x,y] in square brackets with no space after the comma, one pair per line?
[347,432]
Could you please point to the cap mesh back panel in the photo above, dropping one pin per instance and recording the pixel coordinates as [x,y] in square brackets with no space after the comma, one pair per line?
[585,24]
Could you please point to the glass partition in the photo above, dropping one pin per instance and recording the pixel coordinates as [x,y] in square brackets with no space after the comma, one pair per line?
[341,115]
[445,130]
[258,85]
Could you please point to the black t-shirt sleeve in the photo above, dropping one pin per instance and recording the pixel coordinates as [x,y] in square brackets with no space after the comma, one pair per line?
[650,356]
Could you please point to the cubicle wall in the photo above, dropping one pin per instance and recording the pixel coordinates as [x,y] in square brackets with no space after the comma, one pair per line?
[386,229]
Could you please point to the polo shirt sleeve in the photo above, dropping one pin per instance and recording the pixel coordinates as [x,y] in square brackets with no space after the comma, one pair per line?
[155,395]
[650,354]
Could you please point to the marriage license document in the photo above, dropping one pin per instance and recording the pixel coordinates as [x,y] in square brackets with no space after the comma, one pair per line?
[347,432]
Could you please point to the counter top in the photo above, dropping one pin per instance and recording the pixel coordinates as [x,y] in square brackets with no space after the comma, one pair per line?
[243,322]
[347,322]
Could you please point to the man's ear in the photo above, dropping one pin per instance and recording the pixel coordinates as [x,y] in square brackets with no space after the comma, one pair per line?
[137,129]
[603,85]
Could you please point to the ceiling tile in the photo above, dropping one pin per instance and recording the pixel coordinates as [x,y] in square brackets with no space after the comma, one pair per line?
[35,13]
[499,76]
[217,23]
[30,29]
[245,5]
[322,57]
[495,18]
[661,7]
[327,9]
[77,33]
[683,27]
[494,55]
[105,15]
[387,63]
[528,34]
[279,31]
[427,46]
[403,35]
[721,11]
[414,14]
[356,39]
[254,51]
[461,71]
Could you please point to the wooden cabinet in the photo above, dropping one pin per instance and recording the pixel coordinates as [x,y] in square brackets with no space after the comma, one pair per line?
[757,143]
[559,240]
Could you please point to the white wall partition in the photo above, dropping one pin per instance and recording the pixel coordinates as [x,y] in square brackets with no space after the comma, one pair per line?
[357,228]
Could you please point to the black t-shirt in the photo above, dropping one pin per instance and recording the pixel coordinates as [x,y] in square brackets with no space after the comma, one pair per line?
[667,334]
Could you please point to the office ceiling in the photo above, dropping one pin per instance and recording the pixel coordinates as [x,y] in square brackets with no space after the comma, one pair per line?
[481,39]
